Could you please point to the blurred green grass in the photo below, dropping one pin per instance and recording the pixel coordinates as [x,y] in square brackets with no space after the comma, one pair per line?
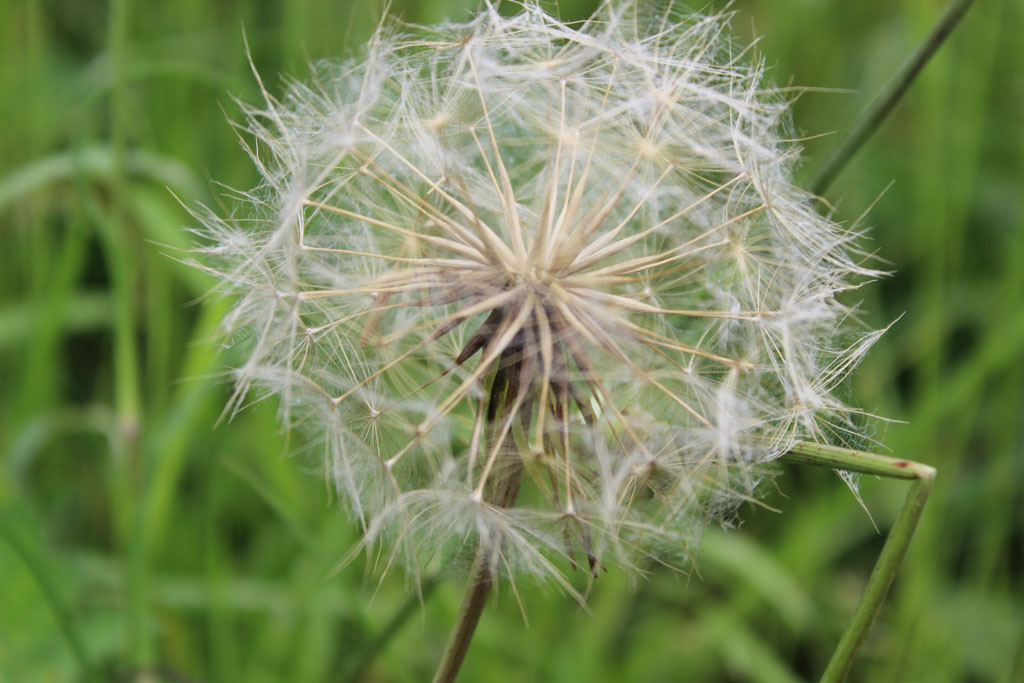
[157,547]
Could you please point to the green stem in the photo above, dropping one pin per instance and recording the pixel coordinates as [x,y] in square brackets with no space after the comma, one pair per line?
[466,622]
[886,101]
[122,256]
[804,453]
[895,546]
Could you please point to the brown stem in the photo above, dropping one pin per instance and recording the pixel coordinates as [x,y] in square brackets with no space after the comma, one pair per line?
[513,378]
[469,617]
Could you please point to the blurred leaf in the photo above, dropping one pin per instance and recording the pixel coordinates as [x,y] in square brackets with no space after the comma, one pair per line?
[96,162]
[740,558]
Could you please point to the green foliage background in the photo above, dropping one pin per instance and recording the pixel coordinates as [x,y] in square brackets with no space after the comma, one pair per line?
[138,538]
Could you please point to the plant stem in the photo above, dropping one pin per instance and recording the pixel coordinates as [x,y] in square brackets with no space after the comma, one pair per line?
[886,101]
[466,622]
[895,546]
[509,382]
[819,455]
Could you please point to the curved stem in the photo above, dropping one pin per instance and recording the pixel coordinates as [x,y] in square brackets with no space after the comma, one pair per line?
[895,546]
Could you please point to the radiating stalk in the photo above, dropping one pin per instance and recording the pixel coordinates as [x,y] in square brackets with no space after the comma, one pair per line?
[895,546]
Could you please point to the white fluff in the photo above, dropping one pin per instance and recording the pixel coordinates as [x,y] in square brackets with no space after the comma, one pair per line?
[617,199]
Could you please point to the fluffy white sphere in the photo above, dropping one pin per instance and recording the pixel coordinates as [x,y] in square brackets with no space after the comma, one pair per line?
[540,286]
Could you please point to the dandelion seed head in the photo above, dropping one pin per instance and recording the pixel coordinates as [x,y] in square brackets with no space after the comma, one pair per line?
[540,286]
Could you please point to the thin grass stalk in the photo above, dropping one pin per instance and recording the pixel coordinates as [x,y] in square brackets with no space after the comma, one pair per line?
[872,118]
[118,243]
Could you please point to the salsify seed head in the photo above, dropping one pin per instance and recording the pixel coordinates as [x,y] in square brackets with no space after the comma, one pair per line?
[542,288]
